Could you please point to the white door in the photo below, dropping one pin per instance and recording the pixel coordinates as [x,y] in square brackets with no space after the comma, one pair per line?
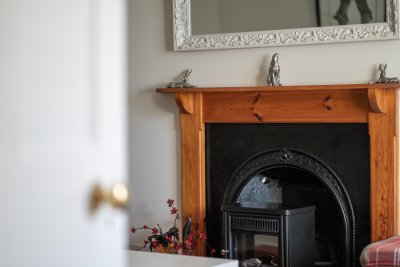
[62,130]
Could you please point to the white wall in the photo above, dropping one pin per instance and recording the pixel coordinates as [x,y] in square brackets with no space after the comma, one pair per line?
[154,129]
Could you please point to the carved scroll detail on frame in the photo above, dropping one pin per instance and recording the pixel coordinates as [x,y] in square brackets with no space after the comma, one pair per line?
[184,40]
[182,25]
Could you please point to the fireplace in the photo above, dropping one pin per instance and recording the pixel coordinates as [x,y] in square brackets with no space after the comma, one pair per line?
[328,169]
[371,107]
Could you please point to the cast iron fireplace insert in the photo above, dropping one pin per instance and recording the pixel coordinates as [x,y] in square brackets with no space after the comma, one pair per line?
[321,165]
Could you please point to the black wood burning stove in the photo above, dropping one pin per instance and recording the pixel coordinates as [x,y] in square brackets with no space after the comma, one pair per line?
[275,234]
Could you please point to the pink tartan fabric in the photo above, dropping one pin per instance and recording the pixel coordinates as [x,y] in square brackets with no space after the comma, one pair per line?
[384,253]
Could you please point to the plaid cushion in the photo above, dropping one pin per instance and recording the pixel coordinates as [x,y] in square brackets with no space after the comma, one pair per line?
[385,253]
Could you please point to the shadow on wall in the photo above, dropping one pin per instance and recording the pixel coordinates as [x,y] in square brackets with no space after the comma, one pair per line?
[262,75]
[148,103]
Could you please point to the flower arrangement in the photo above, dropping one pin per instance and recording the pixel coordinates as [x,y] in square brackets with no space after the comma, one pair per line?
[170,242]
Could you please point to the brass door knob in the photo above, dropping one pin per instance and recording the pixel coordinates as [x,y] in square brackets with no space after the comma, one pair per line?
[117,196]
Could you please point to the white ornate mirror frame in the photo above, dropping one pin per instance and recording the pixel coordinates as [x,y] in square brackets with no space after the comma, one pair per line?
[184,40]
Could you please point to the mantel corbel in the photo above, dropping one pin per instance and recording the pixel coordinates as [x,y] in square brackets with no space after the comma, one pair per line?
[376,98]
[185,102]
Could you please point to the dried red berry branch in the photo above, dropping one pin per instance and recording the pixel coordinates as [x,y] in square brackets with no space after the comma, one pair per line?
[170,241]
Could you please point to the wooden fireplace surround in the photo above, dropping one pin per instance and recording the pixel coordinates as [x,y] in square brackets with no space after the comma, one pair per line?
[375,104]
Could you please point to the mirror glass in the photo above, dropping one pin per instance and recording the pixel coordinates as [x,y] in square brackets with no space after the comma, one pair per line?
[230,16]
[222,24]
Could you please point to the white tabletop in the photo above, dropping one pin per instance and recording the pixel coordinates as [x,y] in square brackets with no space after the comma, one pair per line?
[150,259]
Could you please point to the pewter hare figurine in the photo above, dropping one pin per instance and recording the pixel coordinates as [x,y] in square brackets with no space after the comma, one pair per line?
[382,75]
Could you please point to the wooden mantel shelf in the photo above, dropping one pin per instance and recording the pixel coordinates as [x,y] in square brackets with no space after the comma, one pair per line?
[374,104]
[279,88]
[248,103]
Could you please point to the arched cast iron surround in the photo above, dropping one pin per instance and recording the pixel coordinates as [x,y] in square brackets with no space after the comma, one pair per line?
[292,158]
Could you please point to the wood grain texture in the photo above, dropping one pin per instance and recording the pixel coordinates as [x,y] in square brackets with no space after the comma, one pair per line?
[377,100]
[366,103]
[192,167]
[287,106]
[384,170]
[184,102]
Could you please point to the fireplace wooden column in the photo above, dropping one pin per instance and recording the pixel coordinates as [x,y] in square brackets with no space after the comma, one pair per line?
[375,104]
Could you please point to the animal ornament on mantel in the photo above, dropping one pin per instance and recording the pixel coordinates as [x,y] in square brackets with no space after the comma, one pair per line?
[382,75]
[273,78]
[184,83]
